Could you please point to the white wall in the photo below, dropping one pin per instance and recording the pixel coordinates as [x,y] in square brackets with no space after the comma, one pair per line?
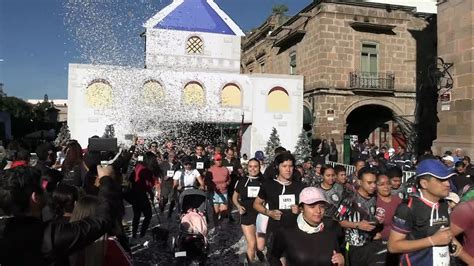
[288,124]
[131,115]
[165,48]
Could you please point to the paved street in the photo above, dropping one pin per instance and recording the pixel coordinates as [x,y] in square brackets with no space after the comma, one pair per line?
[226,243]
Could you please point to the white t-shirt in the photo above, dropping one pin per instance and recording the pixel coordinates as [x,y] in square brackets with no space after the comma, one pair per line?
[190,177]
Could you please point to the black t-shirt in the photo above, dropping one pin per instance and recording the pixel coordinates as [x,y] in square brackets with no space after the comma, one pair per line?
[248,189]
[417,218]
[333,196]
[364,209]
[281,197]
[301,248]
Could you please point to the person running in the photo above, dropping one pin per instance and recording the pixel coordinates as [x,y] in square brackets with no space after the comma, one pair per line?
[235,171]
[188,177]
[462,223]
[397,188]
[167,190]
[420,228]
[360,224]
[332,191]
[281,194]
[387,203]
[246,190]
[315,239]
[218,183]
[142,185]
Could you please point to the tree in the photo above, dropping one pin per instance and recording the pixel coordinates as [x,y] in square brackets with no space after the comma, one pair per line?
[279,9]
[272,144]
[302,148]
[63,136]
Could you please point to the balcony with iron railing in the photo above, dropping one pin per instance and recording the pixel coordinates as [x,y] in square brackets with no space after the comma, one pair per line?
[372,82]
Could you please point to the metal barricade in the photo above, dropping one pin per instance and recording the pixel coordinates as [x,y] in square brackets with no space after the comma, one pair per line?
[350,169]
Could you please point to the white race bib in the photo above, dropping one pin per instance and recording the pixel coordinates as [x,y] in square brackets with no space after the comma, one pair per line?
[169,173]
[252,192]
[441,256]
[230,168]
[199,165]
[286,201]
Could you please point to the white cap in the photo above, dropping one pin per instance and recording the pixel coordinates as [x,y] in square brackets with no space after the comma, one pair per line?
[448,158]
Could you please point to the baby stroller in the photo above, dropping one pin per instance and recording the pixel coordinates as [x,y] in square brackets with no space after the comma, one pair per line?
[191,246]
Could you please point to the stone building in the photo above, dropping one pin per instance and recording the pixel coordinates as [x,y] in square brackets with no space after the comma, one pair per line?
[360,64]
[455,46]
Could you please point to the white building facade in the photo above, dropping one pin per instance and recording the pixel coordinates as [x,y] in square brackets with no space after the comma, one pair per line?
[192,74]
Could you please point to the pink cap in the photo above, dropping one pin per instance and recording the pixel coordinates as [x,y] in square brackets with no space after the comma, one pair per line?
[312,195]
[217,157]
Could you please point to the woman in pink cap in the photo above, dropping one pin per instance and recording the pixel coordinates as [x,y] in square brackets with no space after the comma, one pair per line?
[314,241]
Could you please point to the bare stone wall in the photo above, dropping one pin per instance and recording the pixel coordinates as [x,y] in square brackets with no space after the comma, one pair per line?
[456,45]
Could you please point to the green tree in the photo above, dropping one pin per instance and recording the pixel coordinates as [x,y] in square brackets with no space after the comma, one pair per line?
[272,144]
[302,148]
[21,115]
[279,9]
[63,136]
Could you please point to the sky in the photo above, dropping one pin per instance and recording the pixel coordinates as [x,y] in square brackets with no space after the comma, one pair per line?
[39,38]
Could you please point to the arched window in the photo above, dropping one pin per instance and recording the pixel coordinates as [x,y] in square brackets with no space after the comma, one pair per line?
[231,96]
[278,100]
[99,94]
[193,94]
[194,45]
[153,92]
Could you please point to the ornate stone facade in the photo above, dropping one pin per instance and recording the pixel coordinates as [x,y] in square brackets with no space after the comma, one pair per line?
[351,55]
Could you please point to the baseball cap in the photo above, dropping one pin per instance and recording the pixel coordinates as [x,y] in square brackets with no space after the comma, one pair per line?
[448,158]
[453,197]
[259,155]
[312,195]
[433,168]
[217,157]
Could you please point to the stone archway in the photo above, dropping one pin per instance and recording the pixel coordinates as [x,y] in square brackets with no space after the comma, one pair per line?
[365,119]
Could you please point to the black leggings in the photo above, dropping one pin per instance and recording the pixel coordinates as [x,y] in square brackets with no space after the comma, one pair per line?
[141,205]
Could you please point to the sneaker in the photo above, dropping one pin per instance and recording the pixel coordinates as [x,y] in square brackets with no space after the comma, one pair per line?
[261,256]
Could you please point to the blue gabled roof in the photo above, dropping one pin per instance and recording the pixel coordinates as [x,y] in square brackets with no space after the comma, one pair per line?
[195,15]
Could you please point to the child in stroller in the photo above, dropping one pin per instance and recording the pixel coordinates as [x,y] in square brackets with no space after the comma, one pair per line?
[191,246]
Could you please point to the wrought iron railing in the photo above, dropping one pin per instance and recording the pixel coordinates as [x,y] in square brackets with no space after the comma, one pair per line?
[370,80]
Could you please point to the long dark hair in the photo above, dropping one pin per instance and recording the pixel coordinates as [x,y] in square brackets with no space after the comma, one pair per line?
[150,162]
[73,156]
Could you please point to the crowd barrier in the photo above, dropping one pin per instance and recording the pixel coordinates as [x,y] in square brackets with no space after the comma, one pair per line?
[350,169]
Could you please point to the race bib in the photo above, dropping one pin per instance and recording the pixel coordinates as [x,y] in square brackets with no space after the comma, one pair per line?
[230,168]
[252,192]
[286,201]
[169,173]
[199,165]
[441,256]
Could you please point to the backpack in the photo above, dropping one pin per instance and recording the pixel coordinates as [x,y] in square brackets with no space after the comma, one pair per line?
[194,222]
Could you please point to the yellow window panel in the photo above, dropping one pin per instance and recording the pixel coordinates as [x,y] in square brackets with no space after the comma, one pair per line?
[99,95]
[278,100]
[193,94]
[153,92]
[231,96]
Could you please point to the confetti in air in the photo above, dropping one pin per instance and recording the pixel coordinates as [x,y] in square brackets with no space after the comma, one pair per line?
[110,35]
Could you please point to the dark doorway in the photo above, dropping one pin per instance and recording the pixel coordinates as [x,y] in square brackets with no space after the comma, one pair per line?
[365,119]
